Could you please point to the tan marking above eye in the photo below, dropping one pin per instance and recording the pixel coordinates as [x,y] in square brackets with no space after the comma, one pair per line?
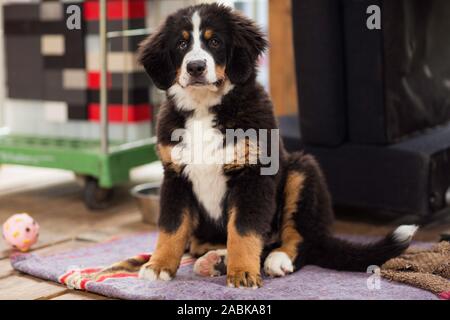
[185,35]
[208,34]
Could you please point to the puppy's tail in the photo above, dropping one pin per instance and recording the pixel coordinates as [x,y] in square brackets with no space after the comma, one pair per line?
[338,254]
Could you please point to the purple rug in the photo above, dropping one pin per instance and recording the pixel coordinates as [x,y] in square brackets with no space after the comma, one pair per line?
[309,283]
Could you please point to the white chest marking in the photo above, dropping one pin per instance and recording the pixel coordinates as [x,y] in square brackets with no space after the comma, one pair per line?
[201,152]
[201,149]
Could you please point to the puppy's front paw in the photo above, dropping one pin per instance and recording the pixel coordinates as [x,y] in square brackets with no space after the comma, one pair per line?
[153,272]
[278,264]
[246,279]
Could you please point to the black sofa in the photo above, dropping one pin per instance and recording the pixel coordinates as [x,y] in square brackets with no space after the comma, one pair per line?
[374,105]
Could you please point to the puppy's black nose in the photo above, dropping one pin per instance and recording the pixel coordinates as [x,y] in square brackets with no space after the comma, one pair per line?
[196,68]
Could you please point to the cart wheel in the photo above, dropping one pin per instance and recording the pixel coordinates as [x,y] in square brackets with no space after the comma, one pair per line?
[96,197]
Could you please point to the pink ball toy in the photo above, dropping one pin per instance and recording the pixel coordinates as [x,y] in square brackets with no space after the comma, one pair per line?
[21,231]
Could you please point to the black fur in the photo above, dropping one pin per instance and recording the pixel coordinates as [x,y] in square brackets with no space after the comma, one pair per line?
[247,45]
[258,198]
[155,57]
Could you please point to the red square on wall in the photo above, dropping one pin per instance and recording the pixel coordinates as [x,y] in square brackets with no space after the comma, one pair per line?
[116,113]
[94,80]
[115,9]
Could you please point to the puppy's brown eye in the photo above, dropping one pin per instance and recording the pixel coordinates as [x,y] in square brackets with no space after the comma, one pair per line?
[182,45]
[214,43]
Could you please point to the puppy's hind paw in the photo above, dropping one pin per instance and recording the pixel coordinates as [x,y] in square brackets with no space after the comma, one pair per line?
[212,264]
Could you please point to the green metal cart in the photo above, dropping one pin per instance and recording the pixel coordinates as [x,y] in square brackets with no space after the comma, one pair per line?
[102,171]
[102,163]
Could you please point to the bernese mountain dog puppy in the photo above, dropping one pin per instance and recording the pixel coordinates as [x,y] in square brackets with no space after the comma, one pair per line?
[205,58]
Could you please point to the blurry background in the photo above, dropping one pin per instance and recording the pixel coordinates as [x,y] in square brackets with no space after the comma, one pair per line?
[57,68]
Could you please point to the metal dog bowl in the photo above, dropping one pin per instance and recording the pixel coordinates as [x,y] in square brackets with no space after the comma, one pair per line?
[147,199]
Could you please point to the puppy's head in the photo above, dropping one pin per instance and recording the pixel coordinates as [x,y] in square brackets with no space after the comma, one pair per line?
[201,46]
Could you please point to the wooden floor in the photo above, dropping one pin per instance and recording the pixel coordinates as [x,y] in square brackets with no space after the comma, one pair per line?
[53,198]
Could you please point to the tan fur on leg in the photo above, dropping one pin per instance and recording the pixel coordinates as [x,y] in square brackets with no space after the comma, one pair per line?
[290,237]
[244,253]
[281,260]
[170,249]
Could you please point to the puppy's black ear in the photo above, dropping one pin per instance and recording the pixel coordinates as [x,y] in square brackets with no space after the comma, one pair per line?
[247,45]
[154,55]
